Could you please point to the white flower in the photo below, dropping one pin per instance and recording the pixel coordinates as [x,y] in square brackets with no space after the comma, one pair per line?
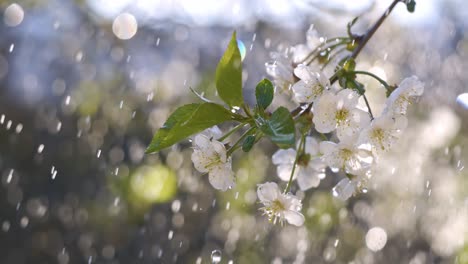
[397,102]
[282,65]
[309,169]
[383,132]
[209,156]
[280,206]
[311,86]
[339,111]
[346,156]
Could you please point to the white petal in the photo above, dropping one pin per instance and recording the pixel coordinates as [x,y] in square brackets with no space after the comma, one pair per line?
[308,178]
[284,156]
[302,72]
[199,161]
[213,132]
[311,146]
[349,131]
[284,171]
[222,178]
[412,86]
[401,122]
[219,148]
[300,52]
[344,189]
[294,218]
[302,92]
[268,192]
[313,37]
[347,98]
[327,147]
[201,141]
[324,113]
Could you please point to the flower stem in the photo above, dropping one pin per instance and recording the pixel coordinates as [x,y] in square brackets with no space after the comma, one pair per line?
[298,153]
[369,34]
[384,83]
[322,45]
[366,37]
[236,144]
[332,57]
[239,126]
[368,107]
[373,29]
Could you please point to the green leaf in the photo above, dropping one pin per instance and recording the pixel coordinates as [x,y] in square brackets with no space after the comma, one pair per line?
[186,121]
[264,93]
[248,143]
[229,75]
[279,128]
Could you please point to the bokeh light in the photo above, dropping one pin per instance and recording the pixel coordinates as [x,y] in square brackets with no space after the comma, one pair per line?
[125,26]
[13,15]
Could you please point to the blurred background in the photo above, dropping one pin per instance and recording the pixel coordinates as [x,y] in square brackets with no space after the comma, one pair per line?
[84,85]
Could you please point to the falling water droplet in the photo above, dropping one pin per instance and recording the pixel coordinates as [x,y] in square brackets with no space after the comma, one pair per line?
[216,256]
[67,100]
[242,48]
[98,154]
[19,128]
[12,47]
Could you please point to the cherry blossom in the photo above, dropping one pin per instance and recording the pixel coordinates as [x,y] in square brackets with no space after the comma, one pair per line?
[346,156]
[339,111]
[310,169]
[398,101]
[311,86]
[383,132]
[279,206]
[209,156]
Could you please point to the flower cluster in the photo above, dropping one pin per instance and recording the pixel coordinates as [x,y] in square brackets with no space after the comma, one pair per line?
[333,125]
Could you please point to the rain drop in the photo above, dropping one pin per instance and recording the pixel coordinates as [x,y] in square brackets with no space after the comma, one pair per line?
[40,148]
[67,100]
[19,128]
[216,256]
